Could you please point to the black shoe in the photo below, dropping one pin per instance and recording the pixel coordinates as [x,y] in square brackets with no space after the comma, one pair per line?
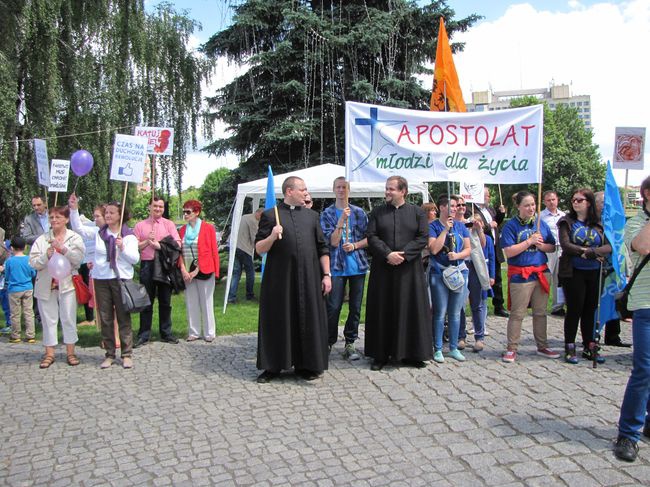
[559,312]
[140,343]
[377,365]
[418,364]
[251,298]
[170,339]
[309,374]
[646,430]
[617,343]
[267,376]
[625,449]
[501,312]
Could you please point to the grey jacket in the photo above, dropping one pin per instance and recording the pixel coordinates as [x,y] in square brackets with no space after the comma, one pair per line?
[31,228]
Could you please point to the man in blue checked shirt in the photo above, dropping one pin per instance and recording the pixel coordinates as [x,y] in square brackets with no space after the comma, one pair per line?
[344,227]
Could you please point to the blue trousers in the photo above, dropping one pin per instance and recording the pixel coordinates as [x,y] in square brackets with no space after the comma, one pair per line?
[245,262]
[636,401]
[445,302]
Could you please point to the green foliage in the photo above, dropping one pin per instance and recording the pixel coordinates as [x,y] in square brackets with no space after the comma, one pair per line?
[571,159]
[96,69]
[211,195]
[304,60]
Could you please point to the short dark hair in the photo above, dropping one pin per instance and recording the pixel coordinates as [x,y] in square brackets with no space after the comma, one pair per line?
[547,192]
[402,183]
[645,185]
[60,210]
[159,198]
[519,197]
[443,200]
[290,182]
[18,243]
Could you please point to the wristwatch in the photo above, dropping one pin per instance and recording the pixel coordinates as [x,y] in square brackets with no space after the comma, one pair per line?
[328,274]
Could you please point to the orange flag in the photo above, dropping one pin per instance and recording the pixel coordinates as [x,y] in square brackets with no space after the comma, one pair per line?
[445,80]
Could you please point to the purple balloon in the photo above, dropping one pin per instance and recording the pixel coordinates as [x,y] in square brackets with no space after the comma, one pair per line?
[58,266]
[81,162]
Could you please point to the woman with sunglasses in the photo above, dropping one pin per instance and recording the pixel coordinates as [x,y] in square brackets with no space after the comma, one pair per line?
[583,247]
[200,268]
[525,243]
[57,300]
[449,246]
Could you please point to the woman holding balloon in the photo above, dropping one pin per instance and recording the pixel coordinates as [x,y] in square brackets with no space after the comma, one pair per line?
[54,255]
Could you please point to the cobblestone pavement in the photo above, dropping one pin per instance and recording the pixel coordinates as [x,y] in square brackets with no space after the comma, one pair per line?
[192,414]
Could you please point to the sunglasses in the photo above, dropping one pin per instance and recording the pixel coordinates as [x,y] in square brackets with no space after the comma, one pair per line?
[187,212]
[461,204]
[578,200]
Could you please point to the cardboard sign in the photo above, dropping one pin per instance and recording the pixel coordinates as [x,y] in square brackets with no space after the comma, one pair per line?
[59,176]
[629,144]
[42,162]
[472,192]
[129,155]
[160,140]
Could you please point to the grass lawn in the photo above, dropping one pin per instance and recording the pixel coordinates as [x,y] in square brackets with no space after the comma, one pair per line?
[239,318]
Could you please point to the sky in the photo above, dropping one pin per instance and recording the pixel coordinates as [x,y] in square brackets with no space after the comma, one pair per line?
[596,47]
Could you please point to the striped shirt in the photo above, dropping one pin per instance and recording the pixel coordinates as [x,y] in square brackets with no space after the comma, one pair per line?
[639,297]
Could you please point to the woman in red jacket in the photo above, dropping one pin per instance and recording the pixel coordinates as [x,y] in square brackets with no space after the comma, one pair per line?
[200,268]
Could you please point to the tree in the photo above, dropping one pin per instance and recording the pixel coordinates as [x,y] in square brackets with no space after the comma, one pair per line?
[215,207]
[571,159]
[305,59]
[91,69]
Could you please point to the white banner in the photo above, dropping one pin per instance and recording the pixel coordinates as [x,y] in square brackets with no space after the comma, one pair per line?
[472,192]
[129,155]
[59,176]
[503,146]
[42,162]
[160,140]
[629,145]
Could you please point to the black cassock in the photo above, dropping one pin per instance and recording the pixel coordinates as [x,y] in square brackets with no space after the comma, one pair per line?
[398,321]
[292,327]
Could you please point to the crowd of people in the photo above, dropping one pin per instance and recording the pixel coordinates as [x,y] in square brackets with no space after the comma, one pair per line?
[424,264]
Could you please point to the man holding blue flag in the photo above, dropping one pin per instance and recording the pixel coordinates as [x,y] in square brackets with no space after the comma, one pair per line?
[635,418]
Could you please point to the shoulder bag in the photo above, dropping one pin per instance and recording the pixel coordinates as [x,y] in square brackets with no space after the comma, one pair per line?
[81,289]
[195,263]
[621,298]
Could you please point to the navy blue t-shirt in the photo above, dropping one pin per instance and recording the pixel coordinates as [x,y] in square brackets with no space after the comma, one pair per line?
[453,243]
[585,236]
[515,232]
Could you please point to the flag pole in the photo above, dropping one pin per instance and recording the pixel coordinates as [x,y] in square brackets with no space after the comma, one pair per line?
[277,219]
[346,231]
[539,203]
[501,196]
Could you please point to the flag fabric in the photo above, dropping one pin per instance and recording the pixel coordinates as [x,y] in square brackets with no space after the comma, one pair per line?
[613,219]
[447,95]
[269,203]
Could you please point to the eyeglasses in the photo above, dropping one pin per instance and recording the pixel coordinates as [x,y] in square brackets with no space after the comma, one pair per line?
[578,200]
[187,212]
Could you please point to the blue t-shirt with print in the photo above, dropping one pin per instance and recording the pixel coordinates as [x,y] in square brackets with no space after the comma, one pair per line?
[453,243]
[585,236]
[351,265]
[514,232]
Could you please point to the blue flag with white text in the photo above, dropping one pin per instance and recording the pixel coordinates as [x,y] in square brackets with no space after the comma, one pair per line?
[613,219]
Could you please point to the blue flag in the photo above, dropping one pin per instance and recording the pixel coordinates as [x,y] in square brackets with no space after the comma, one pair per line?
[269,203]
[613,219]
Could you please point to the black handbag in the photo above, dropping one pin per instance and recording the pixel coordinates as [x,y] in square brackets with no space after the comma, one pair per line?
[195,263]
[620,300]
[134,296]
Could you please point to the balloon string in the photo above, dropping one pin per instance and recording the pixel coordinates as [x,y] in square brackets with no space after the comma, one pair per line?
[74,189]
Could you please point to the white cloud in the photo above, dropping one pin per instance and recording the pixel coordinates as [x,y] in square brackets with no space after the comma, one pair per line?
[599,50]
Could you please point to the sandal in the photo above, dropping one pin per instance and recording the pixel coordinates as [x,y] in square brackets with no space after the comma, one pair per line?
[47,361]
[73,360]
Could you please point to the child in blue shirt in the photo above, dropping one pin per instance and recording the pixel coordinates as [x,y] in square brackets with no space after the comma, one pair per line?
[19,275]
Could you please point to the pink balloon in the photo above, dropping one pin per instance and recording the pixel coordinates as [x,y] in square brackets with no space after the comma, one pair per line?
[81,162]
[58,266]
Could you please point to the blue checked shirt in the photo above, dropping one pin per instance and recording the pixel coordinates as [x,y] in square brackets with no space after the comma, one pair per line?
[357,224]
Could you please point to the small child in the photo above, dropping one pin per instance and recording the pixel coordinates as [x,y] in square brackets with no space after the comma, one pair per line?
[19,275]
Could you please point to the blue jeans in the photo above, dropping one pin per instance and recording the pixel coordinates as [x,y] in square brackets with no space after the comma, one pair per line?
[445,302]
[335,303]
[636,404]
[245,261]
[4,298]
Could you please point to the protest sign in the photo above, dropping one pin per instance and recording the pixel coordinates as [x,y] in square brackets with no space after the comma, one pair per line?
[160,140]
[59,176]
[129,154]
[502,146]
[472,192]
[629,145]
[42,162]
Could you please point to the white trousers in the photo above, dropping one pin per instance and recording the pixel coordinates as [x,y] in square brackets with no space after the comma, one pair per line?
[199,301]
[63,307]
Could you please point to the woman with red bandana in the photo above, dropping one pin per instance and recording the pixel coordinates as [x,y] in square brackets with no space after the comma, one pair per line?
[525,244]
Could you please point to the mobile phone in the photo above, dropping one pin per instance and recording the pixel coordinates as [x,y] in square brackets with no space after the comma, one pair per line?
[469,224]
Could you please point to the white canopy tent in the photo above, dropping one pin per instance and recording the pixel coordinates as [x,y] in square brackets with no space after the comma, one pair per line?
[319,181]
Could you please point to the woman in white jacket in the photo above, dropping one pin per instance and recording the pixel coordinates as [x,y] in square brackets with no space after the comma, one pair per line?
[56,298]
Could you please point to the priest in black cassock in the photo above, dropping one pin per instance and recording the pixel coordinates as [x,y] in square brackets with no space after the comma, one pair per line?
[398,322]
[292,330]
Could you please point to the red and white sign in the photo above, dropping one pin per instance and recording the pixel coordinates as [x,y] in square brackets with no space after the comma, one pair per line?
[628,147]
[160,140]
